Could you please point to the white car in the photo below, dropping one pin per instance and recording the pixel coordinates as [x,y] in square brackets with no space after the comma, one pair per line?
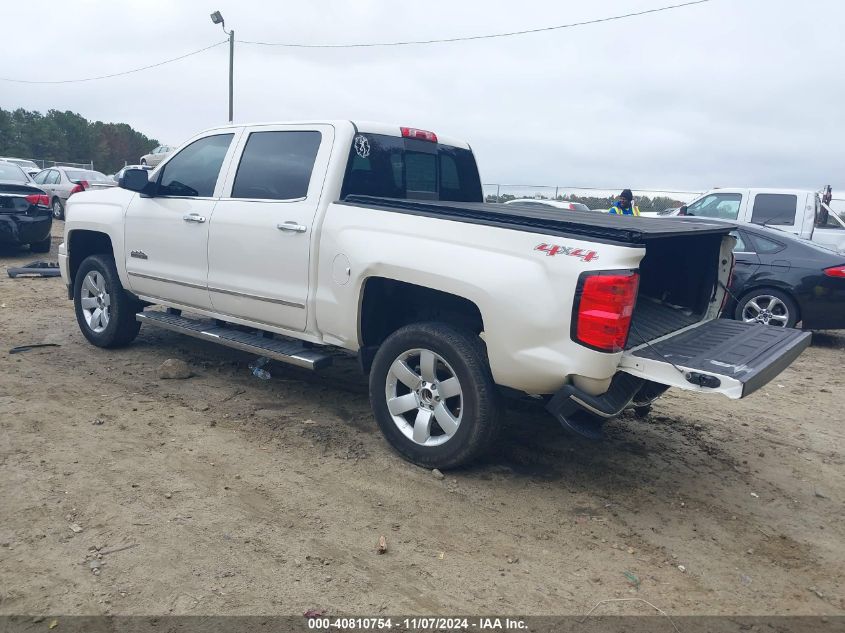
[29,167]
[539,203]
[155,157]
[295,240]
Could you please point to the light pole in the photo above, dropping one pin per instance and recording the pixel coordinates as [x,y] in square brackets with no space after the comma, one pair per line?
[217,18]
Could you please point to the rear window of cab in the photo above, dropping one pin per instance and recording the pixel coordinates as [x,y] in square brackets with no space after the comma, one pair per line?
[392,167]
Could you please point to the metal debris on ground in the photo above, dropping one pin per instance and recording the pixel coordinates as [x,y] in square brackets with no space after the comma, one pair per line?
[35,269]
[25,348]
[257,368]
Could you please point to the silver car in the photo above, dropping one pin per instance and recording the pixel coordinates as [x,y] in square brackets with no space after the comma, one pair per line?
[156,156]
[60,183]
[29,167]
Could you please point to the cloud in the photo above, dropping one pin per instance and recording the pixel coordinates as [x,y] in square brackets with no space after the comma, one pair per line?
[726,93]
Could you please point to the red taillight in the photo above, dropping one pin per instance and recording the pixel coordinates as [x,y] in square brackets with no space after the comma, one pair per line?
[38,199]
[77,188]
[604,310]
[423,135]
[835,271]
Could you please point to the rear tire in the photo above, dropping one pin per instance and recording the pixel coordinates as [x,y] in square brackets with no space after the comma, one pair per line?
[104,310]
[43,246]
[769,306]
[58,209]
[444,408]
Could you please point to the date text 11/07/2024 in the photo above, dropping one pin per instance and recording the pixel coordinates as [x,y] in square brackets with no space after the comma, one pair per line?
[417,623]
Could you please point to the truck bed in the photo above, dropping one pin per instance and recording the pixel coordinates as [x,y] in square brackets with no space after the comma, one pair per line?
[594,225]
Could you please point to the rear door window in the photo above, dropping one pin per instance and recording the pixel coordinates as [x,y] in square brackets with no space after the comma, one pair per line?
[277,165]
[774,209]
[193,171]
[766,246]
[387,166]
[53,177]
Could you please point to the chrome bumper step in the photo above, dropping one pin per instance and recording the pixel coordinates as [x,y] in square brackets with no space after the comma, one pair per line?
[287,351]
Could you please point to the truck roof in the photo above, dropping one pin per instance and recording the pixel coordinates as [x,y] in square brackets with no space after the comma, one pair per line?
[367,127]
[763,190]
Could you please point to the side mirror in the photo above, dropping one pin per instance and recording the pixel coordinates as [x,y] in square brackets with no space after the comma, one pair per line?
[682,210]
[135,180]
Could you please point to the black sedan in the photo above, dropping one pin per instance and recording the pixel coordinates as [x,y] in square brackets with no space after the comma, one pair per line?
[781,280]
[25,214]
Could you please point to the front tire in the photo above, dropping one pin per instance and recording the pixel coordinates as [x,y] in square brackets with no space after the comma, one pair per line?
[769,306]
[104,310]
[433,395]
[58,209]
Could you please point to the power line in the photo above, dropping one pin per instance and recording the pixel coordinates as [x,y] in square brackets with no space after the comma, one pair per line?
[482,37]
[125,72]
[369,45]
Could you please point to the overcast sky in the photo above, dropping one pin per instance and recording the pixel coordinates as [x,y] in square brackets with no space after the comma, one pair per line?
[732,92]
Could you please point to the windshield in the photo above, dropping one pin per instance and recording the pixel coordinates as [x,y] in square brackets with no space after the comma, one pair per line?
[12,172]
[85,174]
[393,167]
[723,206]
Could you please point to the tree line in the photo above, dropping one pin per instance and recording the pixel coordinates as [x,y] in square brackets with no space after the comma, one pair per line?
[70,137]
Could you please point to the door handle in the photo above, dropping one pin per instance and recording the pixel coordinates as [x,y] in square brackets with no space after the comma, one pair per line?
[292,227]
[193,217]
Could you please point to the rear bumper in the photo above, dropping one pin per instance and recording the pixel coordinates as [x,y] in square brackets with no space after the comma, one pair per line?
[17,228]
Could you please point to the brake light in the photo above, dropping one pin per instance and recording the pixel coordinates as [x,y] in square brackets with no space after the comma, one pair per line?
[423,135]
[77,188]
[38,199]
[604,308]
[835,271]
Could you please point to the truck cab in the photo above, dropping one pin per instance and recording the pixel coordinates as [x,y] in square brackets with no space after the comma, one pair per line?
[795,211]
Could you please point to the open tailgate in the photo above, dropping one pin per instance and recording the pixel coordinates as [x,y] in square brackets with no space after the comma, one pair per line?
[728,357]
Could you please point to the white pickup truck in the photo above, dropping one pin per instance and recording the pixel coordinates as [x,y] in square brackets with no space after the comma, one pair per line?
[797,211]
[294,240]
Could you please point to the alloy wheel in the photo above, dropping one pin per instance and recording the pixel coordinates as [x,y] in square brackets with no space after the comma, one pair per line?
[424,397]
[766,309]
[95,301]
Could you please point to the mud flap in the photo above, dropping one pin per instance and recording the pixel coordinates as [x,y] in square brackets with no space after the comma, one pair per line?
[720,356]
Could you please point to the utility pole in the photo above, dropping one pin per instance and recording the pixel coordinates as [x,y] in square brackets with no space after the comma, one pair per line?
[217,18]
[231,75]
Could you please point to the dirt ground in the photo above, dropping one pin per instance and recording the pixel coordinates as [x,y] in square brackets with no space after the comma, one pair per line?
[241,496]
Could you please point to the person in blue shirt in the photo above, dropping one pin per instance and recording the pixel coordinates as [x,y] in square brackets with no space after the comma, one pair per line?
[624,205]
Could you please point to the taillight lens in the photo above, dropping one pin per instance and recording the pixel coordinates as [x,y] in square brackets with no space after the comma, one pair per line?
[423,135]
[77,188]
[604,308]
[835,271]
[39,199]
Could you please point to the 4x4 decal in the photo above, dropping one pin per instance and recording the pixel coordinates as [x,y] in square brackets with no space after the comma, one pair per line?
[555,249]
